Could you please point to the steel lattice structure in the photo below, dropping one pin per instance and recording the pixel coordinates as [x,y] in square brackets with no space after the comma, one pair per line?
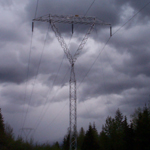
[71,19]
[26,132]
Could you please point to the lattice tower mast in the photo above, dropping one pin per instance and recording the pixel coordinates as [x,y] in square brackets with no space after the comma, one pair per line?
[71,19]
[26,132]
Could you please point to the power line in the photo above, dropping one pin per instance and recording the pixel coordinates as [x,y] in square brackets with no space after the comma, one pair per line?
[94,62]
[84,16]
[38,123]
[36,8]
[36,76]
[132,17]
[107,40]
[40,119]
[110,38]
[69,43]
[40,61]
[27,75]
[49,91]
[30,49]
[87,11]
[57,114]
[55,78]
[115,76]
[91,21]
[89,7]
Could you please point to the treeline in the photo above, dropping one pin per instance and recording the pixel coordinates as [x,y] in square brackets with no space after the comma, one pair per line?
[117,134]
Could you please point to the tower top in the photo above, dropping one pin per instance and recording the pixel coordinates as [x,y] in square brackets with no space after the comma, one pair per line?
[70,19]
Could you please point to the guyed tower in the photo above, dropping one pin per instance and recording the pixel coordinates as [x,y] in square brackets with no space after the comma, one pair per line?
[72,20]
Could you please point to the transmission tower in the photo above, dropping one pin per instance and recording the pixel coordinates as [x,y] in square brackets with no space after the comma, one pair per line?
[26,132]
[71,19]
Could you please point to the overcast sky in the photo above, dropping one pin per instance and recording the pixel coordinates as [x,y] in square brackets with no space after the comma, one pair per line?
[34,72]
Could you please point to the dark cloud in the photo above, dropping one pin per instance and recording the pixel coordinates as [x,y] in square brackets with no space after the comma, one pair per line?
[10,35]
[140,4]
[137,6]
[6,3]
[10,68]
[136,65]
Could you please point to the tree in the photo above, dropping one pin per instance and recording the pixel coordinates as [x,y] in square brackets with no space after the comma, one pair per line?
[104,141]
[56,146]
[9,131]
[114,132]
[141,122]
[128,135]
[2,130]
[9,136]
[119,134]
[66,140]
[91,141]
[80,138]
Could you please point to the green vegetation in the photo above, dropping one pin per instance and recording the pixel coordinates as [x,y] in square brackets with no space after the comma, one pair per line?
[116,134]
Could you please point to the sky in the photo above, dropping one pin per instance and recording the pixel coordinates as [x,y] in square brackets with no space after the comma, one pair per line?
[111,72]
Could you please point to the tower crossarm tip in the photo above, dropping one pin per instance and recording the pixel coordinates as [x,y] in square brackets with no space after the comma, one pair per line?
[71,19]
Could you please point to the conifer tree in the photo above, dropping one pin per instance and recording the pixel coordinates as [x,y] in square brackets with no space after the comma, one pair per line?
[66,141]
[114,132]
[142,129]
[81,137]
[2,130]
[91,141]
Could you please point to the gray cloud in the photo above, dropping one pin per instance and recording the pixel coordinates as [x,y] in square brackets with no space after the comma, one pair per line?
[6,3]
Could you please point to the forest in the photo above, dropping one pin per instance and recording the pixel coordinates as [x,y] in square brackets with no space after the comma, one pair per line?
[117,134]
